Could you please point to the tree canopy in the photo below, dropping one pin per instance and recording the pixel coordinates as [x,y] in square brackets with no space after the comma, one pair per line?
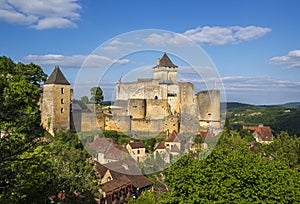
[96,95]
[35,165]
[231,174]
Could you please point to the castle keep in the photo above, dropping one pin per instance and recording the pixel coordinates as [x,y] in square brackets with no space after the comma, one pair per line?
[162,104]
[158,105]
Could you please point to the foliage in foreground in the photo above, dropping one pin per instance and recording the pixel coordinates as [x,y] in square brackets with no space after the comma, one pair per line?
[231,174]
[34,167]
[234,174]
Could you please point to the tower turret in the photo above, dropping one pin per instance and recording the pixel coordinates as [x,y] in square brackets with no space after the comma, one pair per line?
[56,100]
[165,70]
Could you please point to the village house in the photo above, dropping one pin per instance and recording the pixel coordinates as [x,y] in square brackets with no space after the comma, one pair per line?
[120,180]
[173,145]
[261,133]
[137,150]
[105,151]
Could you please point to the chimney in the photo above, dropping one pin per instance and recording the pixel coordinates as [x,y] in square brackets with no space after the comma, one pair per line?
[158,61]
[261,125]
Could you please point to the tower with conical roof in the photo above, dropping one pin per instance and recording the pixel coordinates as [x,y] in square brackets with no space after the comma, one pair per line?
[55,103]
[165,70]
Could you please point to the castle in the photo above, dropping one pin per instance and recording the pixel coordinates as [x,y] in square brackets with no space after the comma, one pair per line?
[148,106]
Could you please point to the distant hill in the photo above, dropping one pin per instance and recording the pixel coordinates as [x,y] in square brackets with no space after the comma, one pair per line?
[229,105]
[291,105]
[285,117]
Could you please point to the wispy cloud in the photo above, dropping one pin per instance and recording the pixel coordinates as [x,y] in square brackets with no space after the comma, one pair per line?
[116,45]
[167,39]
[223,35]
[40,14]
[73,61]
[257,83]
[291,60]
[215,35]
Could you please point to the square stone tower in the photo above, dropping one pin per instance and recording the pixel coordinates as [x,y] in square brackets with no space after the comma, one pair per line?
[55,103]
[165,70]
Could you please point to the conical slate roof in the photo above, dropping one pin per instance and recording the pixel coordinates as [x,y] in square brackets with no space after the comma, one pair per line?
[57,77]
[165,62]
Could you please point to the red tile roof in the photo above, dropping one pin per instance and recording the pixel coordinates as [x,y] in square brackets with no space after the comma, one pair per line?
[161,145]
[101,169]
[174,137]
[100,144]
[126,166]
[174,148]
[123,172]
[136,145]
[116,184]
[116,152]
[264,132]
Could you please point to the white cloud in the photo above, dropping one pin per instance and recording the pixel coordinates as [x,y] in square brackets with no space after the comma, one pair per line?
[223,35]
[260,89]
[257,83]
[73,61]
[167,39]
[40,14]
[216,35]
[116,45]
[291,60]
[54,23]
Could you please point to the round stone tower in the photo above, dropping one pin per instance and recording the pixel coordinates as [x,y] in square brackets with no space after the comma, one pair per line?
[209,108]
[55,103]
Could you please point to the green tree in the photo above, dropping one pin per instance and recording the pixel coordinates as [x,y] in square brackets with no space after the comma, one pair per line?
[71,169]
[227,125]
[96,95]
[231,174]
[284,148]
[22,168]
[84,99]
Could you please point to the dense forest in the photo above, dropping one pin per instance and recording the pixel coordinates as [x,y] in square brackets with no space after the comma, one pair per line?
[39,168]
[284,117]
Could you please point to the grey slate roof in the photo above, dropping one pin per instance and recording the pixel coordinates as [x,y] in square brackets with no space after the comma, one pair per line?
[57,77]
[166,62]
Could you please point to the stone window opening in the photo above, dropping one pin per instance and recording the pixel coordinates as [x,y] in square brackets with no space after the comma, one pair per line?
[62,90]
[209,114]
[62,101]
[138,151]
[62,110]
[155,97]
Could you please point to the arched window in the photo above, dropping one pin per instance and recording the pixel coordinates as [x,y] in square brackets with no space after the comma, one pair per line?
[155,97]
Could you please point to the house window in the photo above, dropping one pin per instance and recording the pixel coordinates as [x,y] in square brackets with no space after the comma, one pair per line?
[62,110]
[109,179]
[62,90]
[155,97]
[138,151]
[62,101]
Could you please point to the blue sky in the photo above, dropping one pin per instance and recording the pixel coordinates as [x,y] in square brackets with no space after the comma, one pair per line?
[254,45]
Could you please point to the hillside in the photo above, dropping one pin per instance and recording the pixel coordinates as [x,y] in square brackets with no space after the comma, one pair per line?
[278,117]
